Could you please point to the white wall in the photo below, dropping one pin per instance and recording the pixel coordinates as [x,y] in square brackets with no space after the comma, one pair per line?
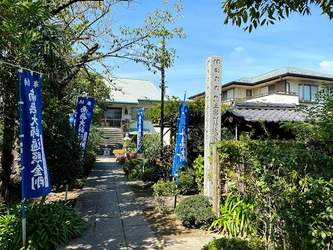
[146,125]
[276,99]
[166,137]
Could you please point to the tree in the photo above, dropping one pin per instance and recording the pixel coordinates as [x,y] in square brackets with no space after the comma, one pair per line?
[290,182]
[317,131]
[89,83]
[196,122]
[254,13]
[27,38]
[62,147]
[92,36]
[59,39]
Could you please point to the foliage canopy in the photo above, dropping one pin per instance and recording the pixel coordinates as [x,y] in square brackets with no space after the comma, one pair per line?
[254,13]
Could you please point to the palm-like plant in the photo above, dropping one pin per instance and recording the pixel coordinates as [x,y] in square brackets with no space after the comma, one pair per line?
[236,216]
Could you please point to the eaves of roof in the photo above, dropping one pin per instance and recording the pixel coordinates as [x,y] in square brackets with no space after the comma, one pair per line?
[122,103]
[146,100]
[287,74]
[197,95]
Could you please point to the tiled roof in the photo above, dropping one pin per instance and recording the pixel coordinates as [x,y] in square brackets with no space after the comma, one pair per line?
[131,91]
[266,112]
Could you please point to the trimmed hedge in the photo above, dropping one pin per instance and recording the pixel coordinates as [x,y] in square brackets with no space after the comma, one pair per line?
[195,211]
[186,183]
[232,244]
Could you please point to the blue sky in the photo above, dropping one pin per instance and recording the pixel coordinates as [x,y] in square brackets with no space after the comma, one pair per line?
[300,41]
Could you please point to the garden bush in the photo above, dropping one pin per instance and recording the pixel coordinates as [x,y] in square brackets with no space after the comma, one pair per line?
[133,169]
[232,244]
[186,183]
[151,148]
[195,211]
[89,162]
[62,147]
[48,226]
[151,174]
[163,189]
[293,198]
[237,216]
[121,159]
[198,166]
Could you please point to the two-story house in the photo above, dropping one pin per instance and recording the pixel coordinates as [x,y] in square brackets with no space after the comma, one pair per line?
[270,98]
[284,85]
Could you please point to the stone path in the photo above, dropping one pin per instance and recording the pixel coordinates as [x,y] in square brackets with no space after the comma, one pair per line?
[115,218]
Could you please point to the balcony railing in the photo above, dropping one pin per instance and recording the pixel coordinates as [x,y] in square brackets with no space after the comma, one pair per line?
[274,92]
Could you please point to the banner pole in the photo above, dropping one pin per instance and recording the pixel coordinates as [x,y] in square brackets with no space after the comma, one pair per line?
[66,193]
[180,133]
[24,225]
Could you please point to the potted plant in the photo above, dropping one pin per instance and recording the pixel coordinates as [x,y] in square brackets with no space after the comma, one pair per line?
[131,153]
[129,147]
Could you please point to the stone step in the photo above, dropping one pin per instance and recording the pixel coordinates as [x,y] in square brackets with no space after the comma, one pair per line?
[113,138]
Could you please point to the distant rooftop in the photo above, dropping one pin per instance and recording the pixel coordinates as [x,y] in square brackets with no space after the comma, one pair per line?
[266,112]
[284,71]
[273,75]
[131,91]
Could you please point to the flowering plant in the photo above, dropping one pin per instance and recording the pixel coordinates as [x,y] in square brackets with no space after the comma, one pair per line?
[117,152]
[121,158]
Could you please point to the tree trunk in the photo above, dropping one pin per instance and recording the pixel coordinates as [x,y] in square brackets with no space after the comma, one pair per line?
[7,156]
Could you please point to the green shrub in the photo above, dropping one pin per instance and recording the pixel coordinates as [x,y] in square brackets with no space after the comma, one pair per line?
[89,161]
[151,148]
[151,174]
[163,189]
[186,183]
[133,169]
[62,147]
[237,216]
[195,211]
[198,166]
[48,226]
[232,244]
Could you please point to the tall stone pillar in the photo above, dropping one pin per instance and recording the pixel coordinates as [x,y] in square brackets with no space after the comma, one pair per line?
[212,115]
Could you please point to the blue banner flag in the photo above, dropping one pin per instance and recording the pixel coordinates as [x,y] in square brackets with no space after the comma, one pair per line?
[83,117]
[180,156]
[35,174]
[140,121]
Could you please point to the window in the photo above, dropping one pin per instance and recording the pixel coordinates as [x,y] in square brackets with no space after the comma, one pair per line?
[307,93]
[287,87]
[271,89]
[248,92]
[224,96]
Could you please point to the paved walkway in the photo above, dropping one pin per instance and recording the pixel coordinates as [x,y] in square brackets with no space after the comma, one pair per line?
[114,217]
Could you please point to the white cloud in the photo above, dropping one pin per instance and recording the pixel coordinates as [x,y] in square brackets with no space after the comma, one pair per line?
[237,52]
[249,60]
[241,56]
[239,49]
[326,66]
